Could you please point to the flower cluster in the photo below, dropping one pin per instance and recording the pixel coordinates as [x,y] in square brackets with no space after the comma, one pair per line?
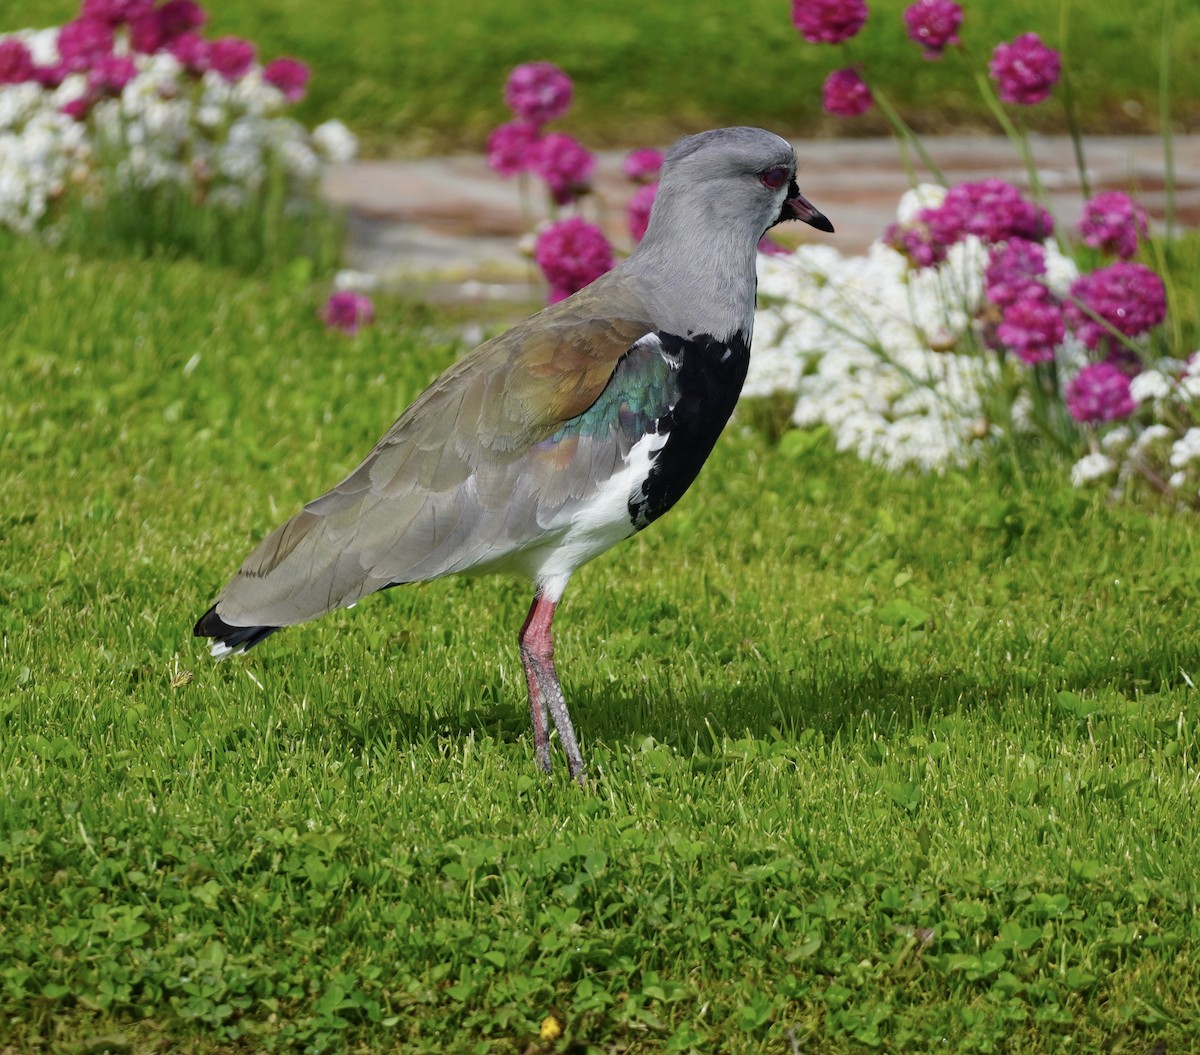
[990,210]
[966,319]
[934,25]
[1158,448]
[1021,311]
[1121,299]
[638,210]
[1114,223]
[348,310]
[896,360]
[572,253]
[845,93]
[887,355]
[564,164]
[131,95]
[1026,70]
[1099,392]
[537,93]
[643,164]
[829,21]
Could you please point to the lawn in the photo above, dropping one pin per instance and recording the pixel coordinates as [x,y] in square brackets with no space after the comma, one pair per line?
[877,762]
[419,77]
[894,762]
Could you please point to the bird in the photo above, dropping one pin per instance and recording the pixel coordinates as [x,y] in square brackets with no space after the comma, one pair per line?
[554,440]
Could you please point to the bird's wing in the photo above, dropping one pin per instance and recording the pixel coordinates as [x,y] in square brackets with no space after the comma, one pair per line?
[477,469]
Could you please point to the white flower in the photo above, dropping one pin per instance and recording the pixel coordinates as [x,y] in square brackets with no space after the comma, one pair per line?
[922,196]
[1061,270]
[18,102]
[1117,439]
[42,44]
[335,141]
[359,281]
[1091,468]
[1149,386]
[211,136]
[1189,387]
[1152,438]
[887,356]
[1186,449]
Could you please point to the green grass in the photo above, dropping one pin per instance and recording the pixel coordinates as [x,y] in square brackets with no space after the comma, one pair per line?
[419,77]
[879,762]
[270,232]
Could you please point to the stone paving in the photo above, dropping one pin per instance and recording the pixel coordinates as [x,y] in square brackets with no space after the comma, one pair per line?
[449,227]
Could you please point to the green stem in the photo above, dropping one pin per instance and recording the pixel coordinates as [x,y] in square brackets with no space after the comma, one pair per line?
[907,136]
[1164,113]
[1017,138]
[1068,95]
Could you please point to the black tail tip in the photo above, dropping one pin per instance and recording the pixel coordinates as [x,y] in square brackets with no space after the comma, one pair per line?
[227,638]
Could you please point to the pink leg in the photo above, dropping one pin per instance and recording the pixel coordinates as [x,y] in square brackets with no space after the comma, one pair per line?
[537,655]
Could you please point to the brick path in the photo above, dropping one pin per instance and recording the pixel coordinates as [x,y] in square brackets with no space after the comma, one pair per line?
[449,227]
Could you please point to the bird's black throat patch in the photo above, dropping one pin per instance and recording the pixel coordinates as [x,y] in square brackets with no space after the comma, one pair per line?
[709,380]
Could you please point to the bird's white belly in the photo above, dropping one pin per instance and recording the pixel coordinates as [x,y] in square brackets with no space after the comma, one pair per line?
[587,529]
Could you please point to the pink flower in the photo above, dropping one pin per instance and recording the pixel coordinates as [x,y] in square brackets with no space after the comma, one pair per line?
[845,93]
[572,253]
[1113,222]
[918,241]
[157,28]
[994,211]
[16,62]
[1099,392]
[828,21]
[1129,297]
[769,247]
[934,25]
[115,12]
[145,33]
[638,213]
[1025,70]
[231,57]
[643,165]
[50,76]
[538,92]
[1013,271]
[111,73]
[565,165]
[510,147]
[348,310]
[83,42]
[79,107]
[1032,326]
[290,76]
[177,17]
[194,53]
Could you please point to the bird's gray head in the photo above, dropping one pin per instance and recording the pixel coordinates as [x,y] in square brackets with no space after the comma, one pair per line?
[718,194]
[741,181]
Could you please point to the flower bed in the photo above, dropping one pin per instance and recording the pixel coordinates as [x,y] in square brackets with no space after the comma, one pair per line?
[973,318]
[130,99]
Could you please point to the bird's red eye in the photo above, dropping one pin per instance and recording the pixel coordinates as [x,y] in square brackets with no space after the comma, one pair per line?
[774,178]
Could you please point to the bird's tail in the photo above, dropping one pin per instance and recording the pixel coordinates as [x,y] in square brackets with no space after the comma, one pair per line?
[228,640]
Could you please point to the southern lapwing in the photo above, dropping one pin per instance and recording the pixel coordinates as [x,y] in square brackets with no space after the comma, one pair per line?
[555,440]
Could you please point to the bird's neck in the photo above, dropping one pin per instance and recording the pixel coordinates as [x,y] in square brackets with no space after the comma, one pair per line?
[707,288]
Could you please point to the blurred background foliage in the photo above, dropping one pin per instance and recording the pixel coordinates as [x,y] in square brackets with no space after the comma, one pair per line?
[416,78]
